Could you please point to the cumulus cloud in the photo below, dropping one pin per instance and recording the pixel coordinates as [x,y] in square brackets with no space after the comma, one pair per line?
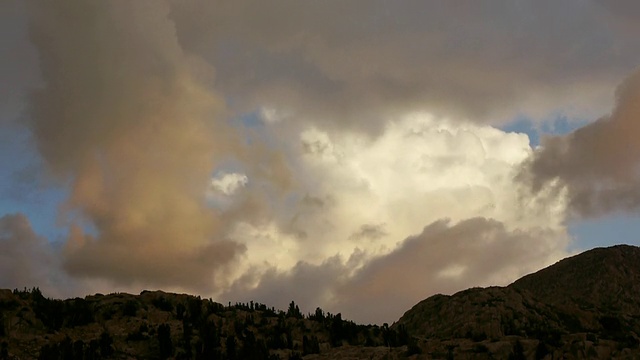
[445,257]
[357,198]
[126,117]
[597,164]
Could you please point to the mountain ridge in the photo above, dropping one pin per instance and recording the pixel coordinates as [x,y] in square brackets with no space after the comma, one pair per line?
[595,294]
[584,306]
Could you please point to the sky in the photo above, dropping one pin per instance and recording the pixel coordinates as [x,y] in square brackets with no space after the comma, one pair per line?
[355,156]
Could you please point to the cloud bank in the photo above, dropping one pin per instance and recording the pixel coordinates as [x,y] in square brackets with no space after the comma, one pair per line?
[350,65]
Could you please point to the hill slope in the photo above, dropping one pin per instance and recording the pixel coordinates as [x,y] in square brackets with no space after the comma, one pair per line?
[585,306]
[159,325]
[592,298]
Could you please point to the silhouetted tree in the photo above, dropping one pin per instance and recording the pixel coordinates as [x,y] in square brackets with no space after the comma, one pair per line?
[194,305]
[337,330]
[180,310]
[252,349]
[79,312]
[2,331]
[541,350]
[4,350]
[66,348]
[295,356]
[91,351]
[389,336]
[187,331]
[130,308]
[48,352]
[319,314]
[106,344]
[164,341]
[78,350]
[230,345]
[310,345]
[518,352]
[50,312]
[403,336]
[210,340]
[162,303]
[294,311]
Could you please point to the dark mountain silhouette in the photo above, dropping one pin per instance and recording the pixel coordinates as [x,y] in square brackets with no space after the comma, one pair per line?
[585,306]
[159,325]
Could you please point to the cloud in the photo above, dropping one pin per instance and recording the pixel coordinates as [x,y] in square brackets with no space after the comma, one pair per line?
[445,257]
[26,259]
[599,163]
[356,199]
[127,118]
[351,65]
[18,65]
[307,284]
[228,184]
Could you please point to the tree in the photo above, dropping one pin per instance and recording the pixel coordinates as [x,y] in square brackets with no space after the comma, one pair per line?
[2,331]
[130,308]
[164,341]
[79,312]
[194,305]
[78,349]
[180,310]
[187,331]
[210,340]
[106,344]
[319,315]
[541,350]
[310,345]
[4,350]
[231,347]
[294,311]
[518,352]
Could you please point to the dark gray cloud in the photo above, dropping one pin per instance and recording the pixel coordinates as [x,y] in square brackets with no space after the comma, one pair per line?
[352,64]
[599,163]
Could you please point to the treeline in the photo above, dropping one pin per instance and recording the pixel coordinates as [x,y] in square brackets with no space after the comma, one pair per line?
[196,328]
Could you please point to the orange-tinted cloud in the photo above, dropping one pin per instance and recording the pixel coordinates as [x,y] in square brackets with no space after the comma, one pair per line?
[127,118]
[26,259]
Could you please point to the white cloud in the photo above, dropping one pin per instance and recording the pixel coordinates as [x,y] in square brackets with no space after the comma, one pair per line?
[228,184]
[357,198]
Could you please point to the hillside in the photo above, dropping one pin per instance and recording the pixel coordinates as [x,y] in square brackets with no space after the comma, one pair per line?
[585,306]
[159,325]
